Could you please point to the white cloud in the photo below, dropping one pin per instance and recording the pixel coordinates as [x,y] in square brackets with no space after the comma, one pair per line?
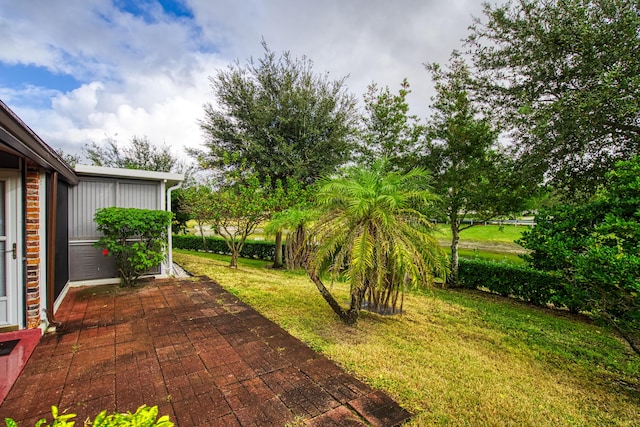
[151,78]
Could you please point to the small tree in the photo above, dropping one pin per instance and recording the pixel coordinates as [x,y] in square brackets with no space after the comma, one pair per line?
[196,200]
[135,237]
[237,209]
[471,174]
[373,233]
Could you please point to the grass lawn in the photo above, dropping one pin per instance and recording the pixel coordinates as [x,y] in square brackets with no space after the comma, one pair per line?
[494,233]
[455,357]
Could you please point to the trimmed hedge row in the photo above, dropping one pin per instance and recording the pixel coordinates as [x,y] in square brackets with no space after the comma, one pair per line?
[256,249]
[518,281]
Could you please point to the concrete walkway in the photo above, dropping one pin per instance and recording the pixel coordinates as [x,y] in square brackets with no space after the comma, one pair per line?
[188,346]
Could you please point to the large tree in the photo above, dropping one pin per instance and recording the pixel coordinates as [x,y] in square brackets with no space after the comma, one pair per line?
[565,75]
[471,173]
[280,118]
[373,233]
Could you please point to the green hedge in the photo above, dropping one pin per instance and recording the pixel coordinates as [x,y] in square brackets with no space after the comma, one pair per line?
[518,281]
[256,249]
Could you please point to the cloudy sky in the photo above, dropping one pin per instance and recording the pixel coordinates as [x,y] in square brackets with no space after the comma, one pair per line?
[82,70]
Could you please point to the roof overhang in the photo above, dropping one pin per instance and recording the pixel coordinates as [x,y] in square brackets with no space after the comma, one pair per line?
[19,138]
[170,178]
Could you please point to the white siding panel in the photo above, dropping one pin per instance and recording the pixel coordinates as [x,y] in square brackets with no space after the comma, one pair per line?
[84,199]
[141,196]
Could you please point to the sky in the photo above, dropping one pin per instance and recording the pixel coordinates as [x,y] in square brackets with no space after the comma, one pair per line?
[80,71]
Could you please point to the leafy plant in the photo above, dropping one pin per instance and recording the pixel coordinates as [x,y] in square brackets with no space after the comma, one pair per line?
[595,247]
[135,237]
[143,417]
[373,233]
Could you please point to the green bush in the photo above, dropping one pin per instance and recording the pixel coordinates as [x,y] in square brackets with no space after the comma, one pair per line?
[519,281]
[254,249]
[143,417]
[135,237]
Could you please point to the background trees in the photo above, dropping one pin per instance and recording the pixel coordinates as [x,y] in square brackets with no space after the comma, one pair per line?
[565,76]
[280,119]
[388,130]
[139,154]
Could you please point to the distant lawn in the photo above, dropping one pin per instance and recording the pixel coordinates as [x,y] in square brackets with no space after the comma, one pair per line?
[455,357]
[493,233]
[490,256]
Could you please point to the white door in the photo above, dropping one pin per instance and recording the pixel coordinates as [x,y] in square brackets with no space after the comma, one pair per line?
[10,296]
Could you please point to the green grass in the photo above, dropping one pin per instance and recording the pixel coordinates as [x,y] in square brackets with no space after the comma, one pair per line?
[493,233]
[455,357]
[490,256]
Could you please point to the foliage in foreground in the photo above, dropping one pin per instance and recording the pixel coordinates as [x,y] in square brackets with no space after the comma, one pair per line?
[595,248]
[135,237]
[455,357]
[372,232]
[143,417]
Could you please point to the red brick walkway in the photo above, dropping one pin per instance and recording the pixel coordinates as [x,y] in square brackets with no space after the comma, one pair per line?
[193,349]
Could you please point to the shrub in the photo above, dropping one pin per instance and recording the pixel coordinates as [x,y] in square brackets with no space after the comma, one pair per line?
[135,237]
[519,281]
[255,249]
[143,417]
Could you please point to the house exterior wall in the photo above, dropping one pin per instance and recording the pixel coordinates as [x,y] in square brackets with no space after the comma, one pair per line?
[87,261]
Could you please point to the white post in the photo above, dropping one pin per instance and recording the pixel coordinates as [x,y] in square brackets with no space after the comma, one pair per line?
[169,235]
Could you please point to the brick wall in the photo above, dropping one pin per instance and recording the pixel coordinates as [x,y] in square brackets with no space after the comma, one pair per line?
[34,238]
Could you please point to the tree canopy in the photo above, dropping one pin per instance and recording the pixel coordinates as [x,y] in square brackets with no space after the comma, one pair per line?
[565,76]
[279,118]
[388,130]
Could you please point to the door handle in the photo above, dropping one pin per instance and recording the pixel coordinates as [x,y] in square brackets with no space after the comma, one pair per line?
[14,249]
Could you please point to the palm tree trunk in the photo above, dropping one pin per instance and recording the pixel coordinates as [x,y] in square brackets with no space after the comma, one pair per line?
[277,262]
[349,317]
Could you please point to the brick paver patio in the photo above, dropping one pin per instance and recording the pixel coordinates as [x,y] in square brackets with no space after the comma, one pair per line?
[193,349]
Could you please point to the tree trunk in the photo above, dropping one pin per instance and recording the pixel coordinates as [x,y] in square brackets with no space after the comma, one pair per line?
[297,250]
[204,239]
[234,258]
[277,261]
[455,239]
[349,317]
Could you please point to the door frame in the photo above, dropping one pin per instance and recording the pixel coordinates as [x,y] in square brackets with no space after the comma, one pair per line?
[14,230]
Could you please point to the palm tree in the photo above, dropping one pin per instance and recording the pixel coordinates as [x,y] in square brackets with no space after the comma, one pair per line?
[294,221]
[373,233]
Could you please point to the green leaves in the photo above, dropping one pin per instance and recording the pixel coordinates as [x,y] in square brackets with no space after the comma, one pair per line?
[564,77]
[372,233]
[135,237]
[279,117]
[595,246]
[143,417]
